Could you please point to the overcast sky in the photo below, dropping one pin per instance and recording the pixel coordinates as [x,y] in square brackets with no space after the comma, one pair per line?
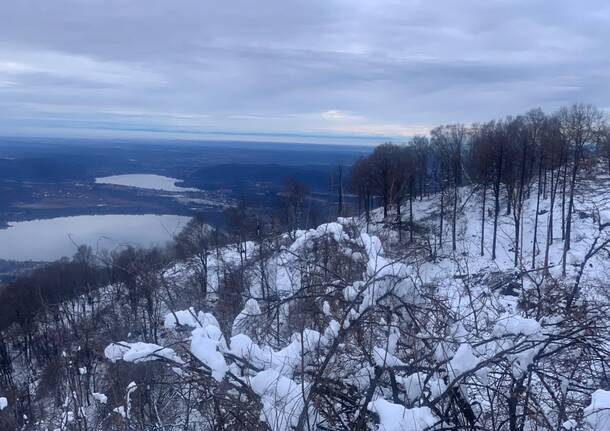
[362,68]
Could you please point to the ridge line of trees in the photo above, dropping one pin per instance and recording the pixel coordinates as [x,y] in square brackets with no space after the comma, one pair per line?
[506,159]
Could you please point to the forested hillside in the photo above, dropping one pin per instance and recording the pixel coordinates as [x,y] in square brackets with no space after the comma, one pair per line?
[468,290]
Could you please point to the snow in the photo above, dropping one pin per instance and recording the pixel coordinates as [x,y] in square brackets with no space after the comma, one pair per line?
[385,359]
[189,318]
[413,385]
[570,424]
[204,345]
[143,352]
[120,410]
[131,387]
[207,320]
[99,397]
[312,340]
[305,238]
[597,414]
[241,322]
[483,375]
[243,347]
[463,360]
[139,352]
[467,321]
[284,361]
[67,418]
[394,417]
[385,276]
[3,403]
[326,309]
[351,292]
[181,317]
[516,325]
[522,360]
[282,399]
[115,351]
[332,330]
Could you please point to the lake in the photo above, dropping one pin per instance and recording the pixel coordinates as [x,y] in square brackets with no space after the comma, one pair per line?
[50,239]
[145,181]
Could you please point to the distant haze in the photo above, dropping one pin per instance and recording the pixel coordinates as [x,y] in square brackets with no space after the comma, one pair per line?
[367,70]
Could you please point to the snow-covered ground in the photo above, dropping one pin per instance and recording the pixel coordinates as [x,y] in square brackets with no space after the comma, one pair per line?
[486,327]
[344,325]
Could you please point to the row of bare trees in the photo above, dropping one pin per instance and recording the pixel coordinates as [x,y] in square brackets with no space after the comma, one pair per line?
[506,160]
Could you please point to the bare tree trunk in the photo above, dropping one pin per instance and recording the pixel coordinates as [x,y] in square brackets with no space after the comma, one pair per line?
[340,190]
[513,403]
[262,269]
[552,206]
[385,202]
[367,210]
[517,236]
[483,216]
[567,244]
[510,190]
[563,200]
[497,205]
[399,217]
[535,242]
[411,187]
[518,207]
[544,193]
[440,237]
[204,274]
[454,220]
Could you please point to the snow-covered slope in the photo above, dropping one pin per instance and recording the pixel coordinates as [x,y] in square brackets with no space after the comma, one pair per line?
[347,327]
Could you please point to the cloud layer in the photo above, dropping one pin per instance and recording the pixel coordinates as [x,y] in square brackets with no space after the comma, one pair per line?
[367,67]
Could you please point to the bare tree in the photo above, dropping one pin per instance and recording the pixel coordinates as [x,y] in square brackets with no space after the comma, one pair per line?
[553,151]
[421,145]
[387,177]
[340,202]
[535,123]
[480,164]
[450,142]
[295,205]
[499,145]
[195,244]
[362,184]
[580,125]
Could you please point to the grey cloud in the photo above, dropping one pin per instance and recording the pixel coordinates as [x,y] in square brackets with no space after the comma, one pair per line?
[278,66]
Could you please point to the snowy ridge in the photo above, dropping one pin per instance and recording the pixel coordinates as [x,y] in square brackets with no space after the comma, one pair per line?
[346,325]
[278,375]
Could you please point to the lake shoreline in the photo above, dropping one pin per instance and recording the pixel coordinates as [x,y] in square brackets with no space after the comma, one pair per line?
[51,239]
[152,182]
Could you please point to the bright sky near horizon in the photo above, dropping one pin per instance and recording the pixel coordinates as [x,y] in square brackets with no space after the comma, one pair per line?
[380,68]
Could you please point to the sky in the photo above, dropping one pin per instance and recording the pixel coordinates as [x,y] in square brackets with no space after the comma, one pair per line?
[358,70]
